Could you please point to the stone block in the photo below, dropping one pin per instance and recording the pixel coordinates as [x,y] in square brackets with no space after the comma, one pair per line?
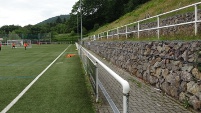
[153,80]
[193,87]
[196,73]
[174,92]
[193,100]
[182,97]
[186,76]
[183,86]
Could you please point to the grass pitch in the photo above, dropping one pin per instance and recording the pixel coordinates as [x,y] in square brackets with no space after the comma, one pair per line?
[61,89]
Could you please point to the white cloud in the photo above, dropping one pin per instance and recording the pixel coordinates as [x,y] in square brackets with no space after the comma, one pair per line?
[24,12]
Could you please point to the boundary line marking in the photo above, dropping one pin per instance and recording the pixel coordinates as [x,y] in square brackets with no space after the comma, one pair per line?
[29,86]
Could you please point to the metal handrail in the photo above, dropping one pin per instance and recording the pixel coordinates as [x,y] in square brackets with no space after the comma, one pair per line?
[124,83]
[158,26]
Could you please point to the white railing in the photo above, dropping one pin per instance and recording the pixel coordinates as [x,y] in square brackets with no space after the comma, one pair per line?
[115,32]
[83,53]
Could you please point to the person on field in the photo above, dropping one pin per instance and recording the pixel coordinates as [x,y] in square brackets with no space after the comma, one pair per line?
[13,45]
[25,46]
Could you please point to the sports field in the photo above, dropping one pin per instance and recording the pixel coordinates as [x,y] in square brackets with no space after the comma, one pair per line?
[60,89]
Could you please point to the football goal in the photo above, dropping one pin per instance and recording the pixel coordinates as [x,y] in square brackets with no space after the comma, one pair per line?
[19,43]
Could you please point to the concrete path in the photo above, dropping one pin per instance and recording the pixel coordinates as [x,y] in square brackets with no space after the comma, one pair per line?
[143,98]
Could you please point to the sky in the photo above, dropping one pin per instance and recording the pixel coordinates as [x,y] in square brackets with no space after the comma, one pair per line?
[25,12]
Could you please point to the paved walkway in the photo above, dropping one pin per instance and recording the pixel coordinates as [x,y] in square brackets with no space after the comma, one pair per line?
[143,98]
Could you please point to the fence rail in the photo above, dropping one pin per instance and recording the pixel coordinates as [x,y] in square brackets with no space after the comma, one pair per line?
[101,69]
[116,31]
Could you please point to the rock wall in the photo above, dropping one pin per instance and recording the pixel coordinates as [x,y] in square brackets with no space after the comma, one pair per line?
[172,66]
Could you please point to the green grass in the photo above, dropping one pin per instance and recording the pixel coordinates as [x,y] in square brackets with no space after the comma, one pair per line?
[66,37]
[153,7]
[61,89]
[139,85]
[154,38]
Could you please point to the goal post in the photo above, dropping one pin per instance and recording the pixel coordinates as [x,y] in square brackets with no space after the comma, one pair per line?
[20,43]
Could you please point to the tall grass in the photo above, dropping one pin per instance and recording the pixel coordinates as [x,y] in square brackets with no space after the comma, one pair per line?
[152,8]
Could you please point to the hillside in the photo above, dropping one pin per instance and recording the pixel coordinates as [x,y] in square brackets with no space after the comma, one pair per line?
[53,19]
[153,7]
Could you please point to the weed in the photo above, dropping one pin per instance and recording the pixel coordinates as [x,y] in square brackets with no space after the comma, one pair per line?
[186,103]
[139,85]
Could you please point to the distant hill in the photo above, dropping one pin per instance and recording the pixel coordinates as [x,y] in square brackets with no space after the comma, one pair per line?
[53,19]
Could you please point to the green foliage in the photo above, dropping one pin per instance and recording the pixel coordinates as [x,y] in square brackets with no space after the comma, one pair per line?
[9,28]
[58,20]
[100,12]
[186,103]
[57,24]
[61,18]
[152,7]
[66,38]
[139,85]
[96,26]
[13,36]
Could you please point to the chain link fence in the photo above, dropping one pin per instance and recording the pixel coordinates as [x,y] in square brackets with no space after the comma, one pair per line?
[114,88]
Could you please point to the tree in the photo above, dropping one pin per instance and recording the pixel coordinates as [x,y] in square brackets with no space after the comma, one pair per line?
[13,36]
[9,28]
[58,20]
[100,12]
[60,28]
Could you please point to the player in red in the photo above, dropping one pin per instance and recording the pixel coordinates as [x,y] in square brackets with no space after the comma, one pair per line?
[13,45]
[25,46]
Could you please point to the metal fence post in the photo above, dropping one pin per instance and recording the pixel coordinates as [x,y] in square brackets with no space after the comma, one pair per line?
[99,36]
[138,29]
[118,32]
[113,34]
[196,19]
[107,34]
[96,82]
[158,25]
[126,31]
[126,103]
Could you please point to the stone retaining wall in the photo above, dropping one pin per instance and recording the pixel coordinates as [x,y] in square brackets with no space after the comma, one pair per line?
[170,66]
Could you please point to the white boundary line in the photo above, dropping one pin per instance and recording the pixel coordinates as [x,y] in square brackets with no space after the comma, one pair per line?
[27,88]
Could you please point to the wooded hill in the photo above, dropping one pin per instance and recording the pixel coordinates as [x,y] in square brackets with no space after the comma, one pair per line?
[56,19]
